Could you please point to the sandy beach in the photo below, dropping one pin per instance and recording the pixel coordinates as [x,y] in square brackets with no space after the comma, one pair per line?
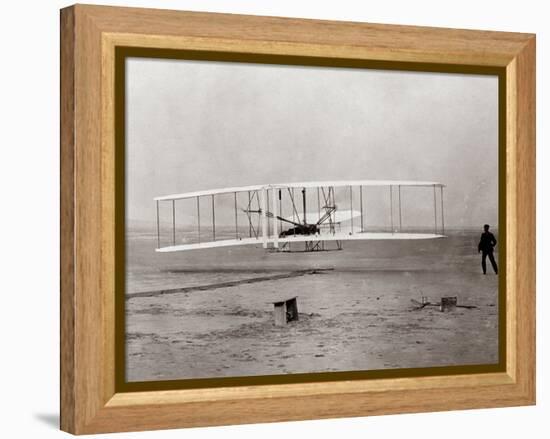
[209,313]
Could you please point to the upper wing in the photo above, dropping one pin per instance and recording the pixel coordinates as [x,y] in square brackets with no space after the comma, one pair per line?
[309,184]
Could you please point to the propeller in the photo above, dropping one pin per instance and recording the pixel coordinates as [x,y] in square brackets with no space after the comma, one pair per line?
[270,215]
[326,216]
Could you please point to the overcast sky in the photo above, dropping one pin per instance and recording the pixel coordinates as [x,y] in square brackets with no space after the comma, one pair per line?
[194,125]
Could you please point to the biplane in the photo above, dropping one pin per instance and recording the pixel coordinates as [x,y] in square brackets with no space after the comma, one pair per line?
[279,215]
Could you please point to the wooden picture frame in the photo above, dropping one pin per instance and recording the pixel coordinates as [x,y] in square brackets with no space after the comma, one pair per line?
[91,401]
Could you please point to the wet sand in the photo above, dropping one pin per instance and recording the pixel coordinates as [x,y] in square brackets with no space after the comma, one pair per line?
[209,313]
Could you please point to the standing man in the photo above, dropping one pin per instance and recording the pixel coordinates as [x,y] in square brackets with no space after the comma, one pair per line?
[486,245]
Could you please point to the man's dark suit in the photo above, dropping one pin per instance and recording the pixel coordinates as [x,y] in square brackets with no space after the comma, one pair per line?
[486,245]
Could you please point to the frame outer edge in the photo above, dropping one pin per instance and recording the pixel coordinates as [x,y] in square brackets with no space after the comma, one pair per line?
[67,225]
[83,393]
[91,352]
[526,218]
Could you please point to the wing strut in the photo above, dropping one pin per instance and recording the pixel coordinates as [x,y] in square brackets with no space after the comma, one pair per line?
[351,206]
[442,216]
[263,213]
[319,203]
[174,222]
[213,219]
[399,198]
[280,203]
[199,218]
[304,204]
[248,215]
[236,220]
[391,208]
[275,223]
[158,225]
[435,212]
[361,206]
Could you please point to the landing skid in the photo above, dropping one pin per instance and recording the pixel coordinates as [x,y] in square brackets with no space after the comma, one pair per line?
[310,246]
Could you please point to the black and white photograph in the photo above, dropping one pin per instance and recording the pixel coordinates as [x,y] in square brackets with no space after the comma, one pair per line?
[287,219]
